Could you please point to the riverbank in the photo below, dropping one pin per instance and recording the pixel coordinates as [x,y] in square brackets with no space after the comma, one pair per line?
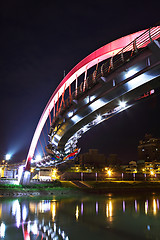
[68,188]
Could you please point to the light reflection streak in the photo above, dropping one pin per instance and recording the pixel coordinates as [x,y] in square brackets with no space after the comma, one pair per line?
[2,230]
[135,205]
[154,207]
[24,213]
[16,211]
[124,206]
[96,207]
[109,210]
[53,209]
[21,213]
[77,213]
[82,208]
[44,206]
[146,207]
[158,204]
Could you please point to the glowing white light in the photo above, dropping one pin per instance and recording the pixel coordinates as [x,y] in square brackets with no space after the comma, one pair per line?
[84,128]
[99,118]
[70,114]
[16,211]
[122,104]
[24,213]
[97,104]
[2,230]
[76,118]
[34,228]
[38,157]
[8,157]
[92,98]
[130,73]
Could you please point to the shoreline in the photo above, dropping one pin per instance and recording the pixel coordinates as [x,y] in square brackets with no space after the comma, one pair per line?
[90,187]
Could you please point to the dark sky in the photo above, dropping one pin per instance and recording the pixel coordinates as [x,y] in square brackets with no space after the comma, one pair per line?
[41,39]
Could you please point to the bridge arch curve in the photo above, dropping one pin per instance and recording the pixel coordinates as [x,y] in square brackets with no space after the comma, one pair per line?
[91,60]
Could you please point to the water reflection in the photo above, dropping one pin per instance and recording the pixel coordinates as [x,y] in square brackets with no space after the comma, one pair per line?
[69,218]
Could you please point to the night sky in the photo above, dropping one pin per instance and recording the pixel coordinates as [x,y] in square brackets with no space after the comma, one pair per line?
[41,39]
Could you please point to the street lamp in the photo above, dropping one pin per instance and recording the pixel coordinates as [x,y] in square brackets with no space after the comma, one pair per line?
[8,157]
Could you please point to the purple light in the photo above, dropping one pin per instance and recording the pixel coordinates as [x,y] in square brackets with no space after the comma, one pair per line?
[135,205]
[81,208]
[96,207]
[124,206]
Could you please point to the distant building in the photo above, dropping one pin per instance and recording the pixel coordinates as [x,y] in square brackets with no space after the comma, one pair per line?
[149,149]
[132,167]
[113,160]
[93,159]
[148,153]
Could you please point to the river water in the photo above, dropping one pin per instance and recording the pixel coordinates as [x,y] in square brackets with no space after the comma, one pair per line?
[94,217]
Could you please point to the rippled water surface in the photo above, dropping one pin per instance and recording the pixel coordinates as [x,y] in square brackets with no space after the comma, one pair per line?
[94,217]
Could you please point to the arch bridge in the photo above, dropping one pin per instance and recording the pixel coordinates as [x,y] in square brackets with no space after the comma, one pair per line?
[106,82]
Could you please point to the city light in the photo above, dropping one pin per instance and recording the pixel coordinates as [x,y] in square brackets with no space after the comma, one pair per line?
[8,157]
[152,173]
[109,172]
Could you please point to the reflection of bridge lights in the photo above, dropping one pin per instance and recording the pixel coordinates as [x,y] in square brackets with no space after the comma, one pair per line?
[16,211]
[24,213]
[44,206]
[122,104]
[34,228]
[2,230]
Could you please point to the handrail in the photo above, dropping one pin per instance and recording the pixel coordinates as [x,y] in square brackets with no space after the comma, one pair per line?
[133,47]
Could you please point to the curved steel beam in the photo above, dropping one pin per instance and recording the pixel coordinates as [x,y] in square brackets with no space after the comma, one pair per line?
[97,56]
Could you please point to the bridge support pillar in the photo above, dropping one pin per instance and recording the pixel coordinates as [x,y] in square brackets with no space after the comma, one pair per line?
[25,178]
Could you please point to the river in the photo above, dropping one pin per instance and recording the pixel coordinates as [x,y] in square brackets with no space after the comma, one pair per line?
[93,217]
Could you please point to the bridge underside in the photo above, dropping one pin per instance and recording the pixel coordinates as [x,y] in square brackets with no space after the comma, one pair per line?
[129,76]
[126,82]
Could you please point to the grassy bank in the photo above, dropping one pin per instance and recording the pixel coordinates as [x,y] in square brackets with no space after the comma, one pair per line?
[54,188]
[67,187]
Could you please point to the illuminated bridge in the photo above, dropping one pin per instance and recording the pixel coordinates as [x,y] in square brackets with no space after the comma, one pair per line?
[106,82]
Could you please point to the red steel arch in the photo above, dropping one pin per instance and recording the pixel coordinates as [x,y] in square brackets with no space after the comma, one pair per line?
[97,56]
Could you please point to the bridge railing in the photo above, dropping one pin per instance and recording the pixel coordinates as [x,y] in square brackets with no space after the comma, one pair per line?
[114,62]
